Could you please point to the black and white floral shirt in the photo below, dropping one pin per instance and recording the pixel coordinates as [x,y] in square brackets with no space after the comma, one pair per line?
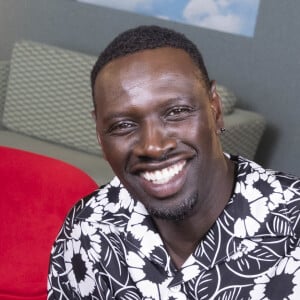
[108,247]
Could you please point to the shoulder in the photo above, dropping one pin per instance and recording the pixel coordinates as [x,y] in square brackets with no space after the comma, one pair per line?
[288,182]
[290,188]
[92,221]
[110,205]
[277,192]
[267,180]
[89,243]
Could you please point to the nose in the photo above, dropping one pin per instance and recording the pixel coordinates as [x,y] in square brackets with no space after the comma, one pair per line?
[154,141]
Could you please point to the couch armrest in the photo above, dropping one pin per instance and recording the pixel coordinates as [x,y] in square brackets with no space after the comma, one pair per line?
[244,130]
[4,69]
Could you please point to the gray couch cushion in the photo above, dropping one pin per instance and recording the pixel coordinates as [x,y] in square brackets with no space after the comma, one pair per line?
[4,69]
[49,96]
[244,130]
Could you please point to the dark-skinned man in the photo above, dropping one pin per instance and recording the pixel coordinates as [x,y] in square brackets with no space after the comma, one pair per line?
[181,219]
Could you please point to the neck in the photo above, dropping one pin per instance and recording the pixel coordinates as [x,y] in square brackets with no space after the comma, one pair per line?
[182,237]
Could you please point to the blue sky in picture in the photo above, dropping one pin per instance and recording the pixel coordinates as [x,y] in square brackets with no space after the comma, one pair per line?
[233,16]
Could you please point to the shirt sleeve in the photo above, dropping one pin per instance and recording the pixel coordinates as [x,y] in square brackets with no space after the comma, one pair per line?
[58,281]
[71,272]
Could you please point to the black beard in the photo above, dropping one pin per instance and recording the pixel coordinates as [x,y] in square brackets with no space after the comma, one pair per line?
[177,213]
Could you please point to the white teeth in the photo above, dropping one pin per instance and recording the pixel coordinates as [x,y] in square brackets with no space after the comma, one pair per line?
[164,175]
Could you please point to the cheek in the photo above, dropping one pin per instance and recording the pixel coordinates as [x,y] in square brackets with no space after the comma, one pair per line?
[115,151]
[198,129]
[200,135]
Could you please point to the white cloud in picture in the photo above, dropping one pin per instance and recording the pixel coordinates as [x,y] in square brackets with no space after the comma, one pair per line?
[233,16]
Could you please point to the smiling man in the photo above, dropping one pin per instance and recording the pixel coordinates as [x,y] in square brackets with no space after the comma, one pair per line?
[181,219]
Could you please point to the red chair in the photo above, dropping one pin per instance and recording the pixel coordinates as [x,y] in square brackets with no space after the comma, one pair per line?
[35,196]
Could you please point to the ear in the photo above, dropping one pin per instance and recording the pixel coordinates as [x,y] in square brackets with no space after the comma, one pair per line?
[100,144]
[93,114]
[216,106]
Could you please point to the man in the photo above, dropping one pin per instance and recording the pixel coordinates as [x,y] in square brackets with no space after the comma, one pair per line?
[182,220]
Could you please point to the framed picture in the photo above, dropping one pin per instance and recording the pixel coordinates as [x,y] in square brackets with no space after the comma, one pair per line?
[232,16]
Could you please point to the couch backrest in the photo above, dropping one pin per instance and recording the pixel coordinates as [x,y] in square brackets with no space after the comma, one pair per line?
[49,95]
[4,69]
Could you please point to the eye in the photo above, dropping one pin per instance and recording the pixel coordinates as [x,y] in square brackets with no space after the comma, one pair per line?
[178,113]
[121,128]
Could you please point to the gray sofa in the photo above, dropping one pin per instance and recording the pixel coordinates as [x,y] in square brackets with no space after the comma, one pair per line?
[45,105]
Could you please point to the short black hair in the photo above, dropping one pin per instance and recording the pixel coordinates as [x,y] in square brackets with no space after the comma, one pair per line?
[148,37]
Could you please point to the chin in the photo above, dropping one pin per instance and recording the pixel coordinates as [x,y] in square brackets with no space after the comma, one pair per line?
[173,212]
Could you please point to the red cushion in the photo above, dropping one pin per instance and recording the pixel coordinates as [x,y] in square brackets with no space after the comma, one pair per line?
[36,194]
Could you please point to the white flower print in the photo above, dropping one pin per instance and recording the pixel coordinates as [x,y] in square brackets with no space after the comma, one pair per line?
[249,223]
[152,285]
[272,186]
[190,272]
[94,244]
[94,211]
[98,206]
[254,166]
[87,232]
[79,268]
[281,280]
[136,218]
[148,239]
[115,182]
[140,209]
[263,192]
[136,269]
[76,232]
[135,226]
[296,253]
[190,268]
[246,226]
[125,201]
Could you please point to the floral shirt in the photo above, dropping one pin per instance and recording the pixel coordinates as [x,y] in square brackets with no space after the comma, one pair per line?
[108,247]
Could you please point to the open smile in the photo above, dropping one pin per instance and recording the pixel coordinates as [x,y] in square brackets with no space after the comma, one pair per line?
[164,175]
[164,182]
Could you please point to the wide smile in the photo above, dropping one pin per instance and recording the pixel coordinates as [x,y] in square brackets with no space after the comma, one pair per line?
[164,182]
[164,175]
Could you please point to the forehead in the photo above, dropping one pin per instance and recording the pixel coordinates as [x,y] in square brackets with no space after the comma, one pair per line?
[133,70]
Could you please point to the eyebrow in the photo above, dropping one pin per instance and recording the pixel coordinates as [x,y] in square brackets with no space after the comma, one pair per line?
[128,112]
[178,100]
[114,115]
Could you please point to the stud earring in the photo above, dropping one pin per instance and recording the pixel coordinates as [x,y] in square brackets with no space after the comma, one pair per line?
[221,130]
